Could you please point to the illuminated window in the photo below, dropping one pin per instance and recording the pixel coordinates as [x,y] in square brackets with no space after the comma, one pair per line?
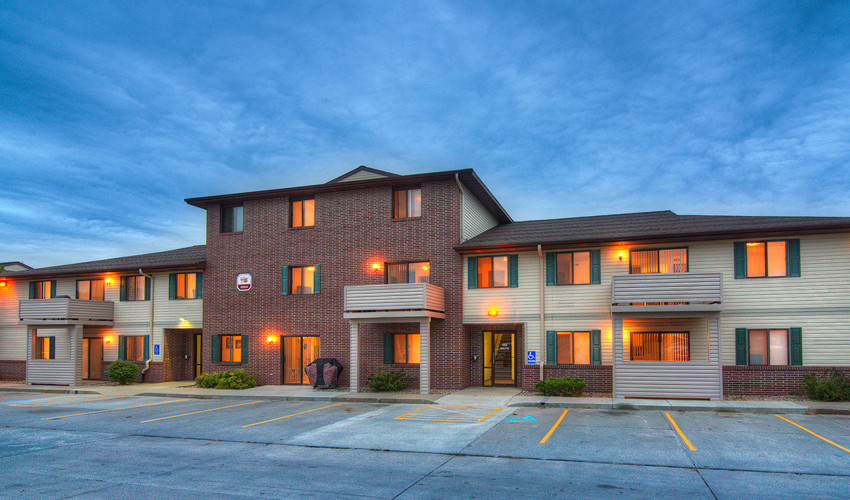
[408,272]
[493,272]
[42,289]
[302,213]
[663,346]
[572,268]
[405,348]
[90,289]
[666,260]
[43,347]
[185,286]
[573,348]
[768,347]
[407,203]
[134,347]
[231,348]
[134,288]
[767,259]
[231,219]
[302,280]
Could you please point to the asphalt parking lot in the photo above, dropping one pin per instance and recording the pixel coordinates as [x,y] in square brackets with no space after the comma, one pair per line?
[95,446]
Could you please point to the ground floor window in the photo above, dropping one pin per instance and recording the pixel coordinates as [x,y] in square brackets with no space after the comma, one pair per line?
[768,347]
[660,346]
[298,352]
[406,348]
[132,348]
[44,347]
[231,348]
[573,348]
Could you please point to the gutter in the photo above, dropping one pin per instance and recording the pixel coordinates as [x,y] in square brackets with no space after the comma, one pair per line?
[542,269]
[150,327]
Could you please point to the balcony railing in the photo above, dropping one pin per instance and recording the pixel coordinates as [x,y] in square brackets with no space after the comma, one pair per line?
[667,292]
[62,310]
[401,300]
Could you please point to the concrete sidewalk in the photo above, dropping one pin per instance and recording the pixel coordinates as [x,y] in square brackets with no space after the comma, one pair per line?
[473,396]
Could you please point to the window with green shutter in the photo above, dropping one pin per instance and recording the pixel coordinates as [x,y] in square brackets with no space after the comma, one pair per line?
[767,259]
[184,286]
[573,268]
[300,280]
[494,272]
[574,348]
[133,288]
[42,289]
[769,347]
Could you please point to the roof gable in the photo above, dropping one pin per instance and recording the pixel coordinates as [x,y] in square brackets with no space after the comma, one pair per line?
[362,173]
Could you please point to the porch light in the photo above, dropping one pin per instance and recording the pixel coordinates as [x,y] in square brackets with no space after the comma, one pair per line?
[107,281]
[493,312]
[270,339]
[106,340]
[376,266]
[621,255]
[3,283]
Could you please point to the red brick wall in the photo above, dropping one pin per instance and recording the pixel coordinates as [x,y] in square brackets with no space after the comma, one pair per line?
[353,230]
[769,380]
[178,344]
[13,370]
[597,377]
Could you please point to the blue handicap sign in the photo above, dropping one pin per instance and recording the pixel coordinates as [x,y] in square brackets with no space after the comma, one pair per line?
[520,420]
[156,349]
[531,357]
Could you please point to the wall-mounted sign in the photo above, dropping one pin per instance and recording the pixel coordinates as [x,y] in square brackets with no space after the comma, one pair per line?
[156,349]
[531,357]
[243,282]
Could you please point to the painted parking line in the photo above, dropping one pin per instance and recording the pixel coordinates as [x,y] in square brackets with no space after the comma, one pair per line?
[114,409]
[813,434]
[293,415]
[15,402]
[92,398]
[681,434]
[472,416]
[557,423]
[201,411]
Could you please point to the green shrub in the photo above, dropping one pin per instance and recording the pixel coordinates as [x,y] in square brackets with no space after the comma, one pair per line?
[561,386]
[123,372]
[833,386]
[228,379]
[389,381]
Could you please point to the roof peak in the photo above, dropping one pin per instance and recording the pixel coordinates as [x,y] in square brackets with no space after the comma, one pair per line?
[361,173]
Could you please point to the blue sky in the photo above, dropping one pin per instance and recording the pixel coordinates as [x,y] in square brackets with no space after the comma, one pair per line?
[112,113]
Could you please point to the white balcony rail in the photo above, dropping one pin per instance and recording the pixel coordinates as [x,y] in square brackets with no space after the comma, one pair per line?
[65,310]
[395,300]
[667,290]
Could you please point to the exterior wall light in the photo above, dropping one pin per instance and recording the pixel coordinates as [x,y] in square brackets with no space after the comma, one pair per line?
[621,255]
[493,312]
[376,266]
[106,340]
[270,339]
[3,283]
[107,281]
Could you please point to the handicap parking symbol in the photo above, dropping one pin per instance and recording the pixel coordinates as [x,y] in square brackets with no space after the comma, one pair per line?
[531,357]
[520,420]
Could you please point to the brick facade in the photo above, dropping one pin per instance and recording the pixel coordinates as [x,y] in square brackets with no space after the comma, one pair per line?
[770,380]
[13,370]
[599,378]
[353,229]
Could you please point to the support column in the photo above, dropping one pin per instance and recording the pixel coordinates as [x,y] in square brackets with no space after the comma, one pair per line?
[30,331]
[424,356]
[354,356]
[617,349]
[714,347]
[76,338]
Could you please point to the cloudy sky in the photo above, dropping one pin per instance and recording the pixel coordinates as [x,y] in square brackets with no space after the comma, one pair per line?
[112,113]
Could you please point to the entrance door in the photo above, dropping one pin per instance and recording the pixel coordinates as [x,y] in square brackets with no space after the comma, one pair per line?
[499,358]
[92,359]
[298,352]
[197,355]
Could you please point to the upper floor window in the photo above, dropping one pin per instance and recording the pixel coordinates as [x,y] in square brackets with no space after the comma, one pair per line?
[135,288]
[408,272]
[663,346]
[302,213]
[665,260]
[42,289]
[90,289]
[493,272]
[767,259]
[572,268]
[300,280]
[185,286]
[407,203]
[231,219]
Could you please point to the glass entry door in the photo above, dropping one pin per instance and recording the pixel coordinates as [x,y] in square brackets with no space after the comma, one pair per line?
[298,352]
[499,358]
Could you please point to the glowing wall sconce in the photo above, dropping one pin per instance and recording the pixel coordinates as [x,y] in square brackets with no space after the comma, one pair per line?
[3,283]
[107,281]
[270,339]
[621,255]
[106,340]
[376,266]
[493,312]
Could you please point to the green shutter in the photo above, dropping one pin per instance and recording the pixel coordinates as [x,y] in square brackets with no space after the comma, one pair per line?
[513,271]
[52,288]
[147,342]
[147,288]
[388,348]
[172,286]
[243,356]
[317,279]
[740,261]
[121,341]
[52,348]
[740,345]
[284,280]
[122,292]
[596,346]
[796,351]
[214,349]
[793,261]
[32,289]
[472,272]
[551,347]
[199,285]
[551,269]
[595,268]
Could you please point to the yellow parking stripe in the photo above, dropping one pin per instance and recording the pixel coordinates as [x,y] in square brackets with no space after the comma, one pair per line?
[681,435]
[90,398]
[546,437]
[114,409]
[495,409]
[813,434]
[201,411]
[294,414]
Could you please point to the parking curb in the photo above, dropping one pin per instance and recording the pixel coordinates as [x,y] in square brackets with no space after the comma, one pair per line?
[668,407]
[49,391]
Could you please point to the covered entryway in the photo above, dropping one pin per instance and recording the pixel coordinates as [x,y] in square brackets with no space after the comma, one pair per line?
[499,356]
[181,354]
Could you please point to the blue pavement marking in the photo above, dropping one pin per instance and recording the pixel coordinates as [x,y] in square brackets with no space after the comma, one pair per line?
[520,420]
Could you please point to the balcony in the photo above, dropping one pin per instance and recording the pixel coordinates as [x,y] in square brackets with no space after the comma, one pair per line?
[401,300]
[63,311]
[667,292]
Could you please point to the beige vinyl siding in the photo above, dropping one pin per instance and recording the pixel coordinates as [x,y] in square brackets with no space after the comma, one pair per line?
[362,176]
[13,337]
[696,327]
[476,218]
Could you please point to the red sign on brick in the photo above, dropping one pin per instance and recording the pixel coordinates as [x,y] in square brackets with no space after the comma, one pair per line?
[243,282]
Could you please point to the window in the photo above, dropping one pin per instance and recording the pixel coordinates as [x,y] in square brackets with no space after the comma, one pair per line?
[768,347]
[767,259]
[133,348]
[661,346]
[185,286]
[302,281]
[573,348]
[407,203]
[231,349]
[42,289]
[90,289]
[44,347]
[401,348]
[408,272]
[135,288]
[231,219]
[302,213]
[493,272]
[666,260]
[572,268]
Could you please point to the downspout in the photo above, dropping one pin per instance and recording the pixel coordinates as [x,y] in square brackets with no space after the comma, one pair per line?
[150,327]
[460,187]
[542,280]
